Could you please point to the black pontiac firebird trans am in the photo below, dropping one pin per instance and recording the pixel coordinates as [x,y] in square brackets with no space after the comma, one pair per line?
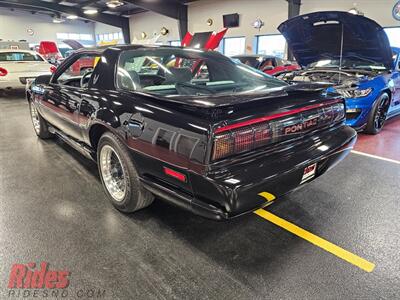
[192,127]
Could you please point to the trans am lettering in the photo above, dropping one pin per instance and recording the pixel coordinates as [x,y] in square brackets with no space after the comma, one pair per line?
[300,127]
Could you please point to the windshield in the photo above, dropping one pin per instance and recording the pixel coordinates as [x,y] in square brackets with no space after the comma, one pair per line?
[19,56]
[169,71]
[348,63]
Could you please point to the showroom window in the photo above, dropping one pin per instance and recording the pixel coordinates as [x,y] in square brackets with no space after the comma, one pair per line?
[273,44]
[74,36]
[111,36]
[233,46]
[393,34]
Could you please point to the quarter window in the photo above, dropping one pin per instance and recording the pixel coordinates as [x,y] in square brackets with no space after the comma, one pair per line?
[72,76]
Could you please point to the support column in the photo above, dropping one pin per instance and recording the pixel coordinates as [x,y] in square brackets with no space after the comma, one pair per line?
[293,11]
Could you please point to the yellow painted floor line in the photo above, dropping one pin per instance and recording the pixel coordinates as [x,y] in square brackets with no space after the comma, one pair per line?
[376,157]
[317,241]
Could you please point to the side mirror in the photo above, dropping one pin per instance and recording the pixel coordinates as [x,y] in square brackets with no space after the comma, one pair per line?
[43,79]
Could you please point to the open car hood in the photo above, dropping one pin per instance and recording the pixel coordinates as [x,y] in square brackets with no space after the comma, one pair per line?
[75,45]
[317,36]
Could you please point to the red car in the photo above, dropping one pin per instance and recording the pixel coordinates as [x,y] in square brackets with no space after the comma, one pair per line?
[50,52]
[270,65]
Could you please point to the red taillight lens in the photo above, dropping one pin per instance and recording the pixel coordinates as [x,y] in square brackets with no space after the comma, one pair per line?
[53,69]
[241,140]
[3,72]
[175,174]
[255,133]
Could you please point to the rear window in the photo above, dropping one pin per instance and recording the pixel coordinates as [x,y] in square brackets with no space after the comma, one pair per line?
[177,71]
[19,56]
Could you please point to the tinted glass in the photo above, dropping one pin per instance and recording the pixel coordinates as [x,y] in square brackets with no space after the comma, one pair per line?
[19,56]
[169,71]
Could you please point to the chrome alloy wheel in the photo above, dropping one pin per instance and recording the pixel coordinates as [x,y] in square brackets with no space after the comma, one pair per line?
[113,173]
[35,118]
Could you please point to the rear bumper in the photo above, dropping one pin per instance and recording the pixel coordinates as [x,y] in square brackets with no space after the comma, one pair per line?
[231,190]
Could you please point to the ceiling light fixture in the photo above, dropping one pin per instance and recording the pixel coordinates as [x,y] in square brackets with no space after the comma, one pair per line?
[114,3]
[72,17]
[90,11]
[58,20]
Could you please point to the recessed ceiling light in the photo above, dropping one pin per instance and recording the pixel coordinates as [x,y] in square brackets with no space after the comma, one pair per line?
[114,3]
[72,17]
[90,11]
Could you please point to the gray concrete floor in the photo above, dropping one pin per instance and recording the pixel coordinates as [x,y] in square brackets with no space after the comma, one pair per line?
[53,209]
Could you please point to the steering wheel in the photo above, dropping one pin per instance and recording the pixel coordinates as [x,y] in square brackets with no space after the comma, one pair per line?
[85,79]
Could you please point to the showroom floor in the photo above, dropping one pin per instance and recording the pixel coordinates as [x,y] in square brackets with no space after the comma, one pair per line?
[53,209]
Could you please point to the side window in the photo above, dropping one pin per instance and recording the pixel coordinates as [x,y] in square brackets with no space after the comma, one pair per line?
[76,70]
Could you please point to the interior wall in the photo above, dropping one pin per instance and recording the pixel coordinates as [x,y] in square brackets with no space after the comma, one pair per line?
[14,26]
[151,23]
[378,10]
[100,28]
[272,12]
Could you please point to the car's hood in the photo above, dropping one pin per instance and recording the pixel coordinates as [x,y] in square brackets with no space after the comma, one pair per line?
[317,36]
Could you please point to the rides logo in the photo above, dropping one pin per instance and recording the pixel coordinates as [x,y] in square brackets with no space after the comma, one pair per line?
[31,276]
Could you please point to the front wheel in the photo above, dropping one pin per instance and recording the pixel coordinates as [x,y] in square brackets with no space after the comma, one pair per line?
[119,176]
[39,124]
[378,115]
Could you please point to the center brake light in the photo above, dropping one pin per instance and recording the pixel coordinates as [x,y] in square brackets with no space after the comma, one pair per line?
[248,135]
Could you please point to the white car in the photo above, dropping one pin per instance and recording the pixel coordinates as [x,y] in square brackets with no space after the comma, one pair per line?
[19,66]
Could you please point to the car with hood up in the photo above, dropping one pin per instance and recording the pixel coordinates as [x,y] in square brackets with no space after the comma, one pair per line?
[351,53]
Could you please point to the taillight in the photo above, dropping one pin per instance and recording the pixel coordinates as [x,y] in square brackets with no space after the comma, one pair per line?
[241,140]
[3,72]
[53,69]
[251,134]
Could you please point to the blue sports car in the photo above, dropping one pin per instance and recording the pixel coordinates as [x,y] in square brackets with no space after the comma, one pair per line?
[352,54]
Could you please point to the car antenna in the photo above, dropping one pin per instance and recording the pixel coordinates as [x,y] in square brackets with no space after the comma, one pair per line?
[341,54]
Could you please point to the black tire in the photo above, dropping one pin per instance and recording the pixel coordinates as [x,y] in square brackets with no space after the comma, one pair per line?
[39,124]
[136,196]
[378,115]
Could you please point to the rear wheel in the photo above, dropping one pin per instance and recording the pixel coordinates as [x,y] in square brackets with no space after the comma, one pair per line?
[119,176]
[39,124]
[378,115]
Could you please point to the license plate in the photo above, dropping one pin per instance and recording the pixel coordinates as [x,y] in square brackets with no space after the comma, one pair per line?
[309,173]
